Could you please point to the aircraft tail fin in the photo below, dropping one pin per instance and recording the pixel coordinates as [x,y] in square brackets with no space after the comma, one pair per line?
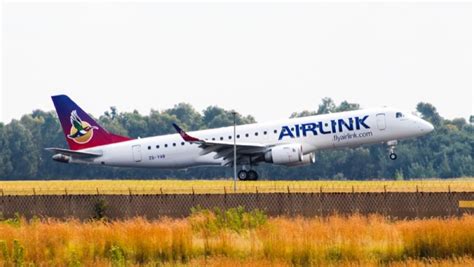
[80,130]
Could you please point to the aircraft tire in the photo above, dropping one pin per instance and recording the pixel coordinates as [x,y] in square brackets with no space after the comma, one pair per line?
[252,175]
[243,175]
[393,156]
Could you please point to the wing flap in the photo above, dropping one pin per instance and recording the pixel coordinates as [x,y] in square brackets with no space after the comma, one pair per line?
[224,149]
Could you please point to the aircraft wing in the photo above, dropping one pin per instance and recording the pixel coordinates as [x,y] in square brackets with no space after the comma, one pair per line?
[74,153]
[225,150]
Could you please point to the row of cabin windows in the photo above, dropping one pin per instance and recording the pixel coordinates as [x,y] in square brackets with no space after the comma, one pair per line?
[246,135]
[214,139]
[166,145]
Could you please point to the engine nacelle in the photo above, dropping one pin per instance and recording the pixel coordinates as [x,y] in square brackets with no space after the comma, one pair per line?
[285,154]
[62,158]
[307,160]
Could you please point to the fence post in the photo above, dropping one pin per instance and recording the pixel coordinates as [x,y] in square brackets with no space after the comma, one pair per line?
[65,191]
[225,195]
[161,190]
[34,192]
[97,189]
[321,189]
[288,188]
[417,203]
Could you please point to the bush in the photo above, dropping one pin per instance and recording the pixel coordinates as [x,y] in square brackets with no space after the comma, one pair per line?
[235,219]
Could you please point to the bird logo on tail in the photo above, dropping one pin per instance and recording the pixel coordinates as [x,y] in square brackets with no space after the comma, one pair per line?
[81,131]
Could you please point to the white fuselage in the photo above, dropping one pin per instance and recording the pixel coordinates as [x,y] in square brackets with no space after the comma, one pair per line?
[335,130]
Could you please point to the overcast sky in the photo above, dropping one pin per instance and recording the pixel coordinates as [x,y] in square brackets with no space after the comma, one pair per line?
[267,60]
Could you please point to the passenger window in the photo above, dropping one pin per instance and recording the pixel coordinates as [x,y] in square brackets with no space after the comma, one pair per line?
[265,132]
[256,133]
[149,147]
[246,135]
[399,115]
[157,146]
[275,131]
[213,139]
[166,145]
[174,144]
[182,143]
[238,136]
[230,137]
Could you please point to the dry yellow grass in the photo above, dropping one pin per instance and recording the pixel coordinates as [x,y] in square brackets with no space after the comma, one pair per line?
[336,240]
[62,187]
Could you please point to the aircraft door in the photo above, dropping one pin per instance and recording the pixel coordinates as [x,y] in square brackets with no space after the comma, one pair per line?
[381,121]
[137,154]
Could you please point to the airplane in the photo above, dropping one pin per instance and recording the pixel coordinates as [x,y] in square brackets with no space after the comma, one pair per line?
[290,142]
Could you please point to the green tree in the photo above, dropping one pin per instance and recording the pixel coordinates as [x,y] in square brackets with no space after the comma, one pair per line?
[162,123]
[5,155]
[135,124]
[429,113]
[304,113]
[446,152]
[457,122]
[215,117]
[112,122]
[187,115]
[327,106]
[24,152]
[346,106]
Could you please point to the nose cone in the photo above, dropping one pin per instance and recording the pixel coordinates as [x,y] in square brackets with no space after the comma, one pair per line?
[426,127]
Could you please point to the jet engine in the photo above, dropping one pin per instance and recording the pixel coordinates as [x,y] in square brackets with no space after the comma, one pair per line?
[289,155]
[307,160]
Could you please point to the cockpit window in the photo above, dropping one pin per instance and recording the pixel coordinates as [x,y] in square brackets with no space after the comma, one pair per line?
[399,115]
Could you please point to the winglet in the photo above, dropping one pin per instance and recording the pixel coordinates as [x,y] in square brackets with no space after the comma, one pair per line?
[184,135]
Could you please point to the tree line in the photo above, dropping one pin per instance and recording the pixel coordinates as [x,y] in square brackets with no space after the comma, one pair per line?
[446,152]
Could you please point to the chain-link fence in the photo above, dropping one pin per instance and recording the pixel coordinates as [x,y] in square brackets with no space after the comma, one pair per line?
[395,204]
[116,187]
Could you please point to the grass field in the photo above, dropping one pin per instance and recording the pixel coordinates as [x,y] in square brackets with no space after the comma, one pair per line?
[236,237]
[62,187]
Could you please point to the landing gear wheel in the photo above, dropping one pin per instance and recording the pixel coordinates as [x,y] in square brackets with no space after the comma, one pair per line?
[243,175]
[392,144]
[393,156]
[252,175]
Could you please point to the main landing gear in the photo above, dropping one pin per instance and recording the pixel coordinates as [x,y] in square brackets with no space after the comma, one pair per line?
[392,144]
[250,175]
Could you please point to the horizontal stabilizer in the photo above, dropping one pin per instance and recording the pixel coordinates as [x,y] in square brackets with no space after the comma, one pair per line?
[74,153]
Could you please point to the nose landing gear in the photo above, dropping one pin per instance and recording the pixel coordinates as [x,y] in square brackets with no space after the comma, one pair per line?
[392,144]
[393,156]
